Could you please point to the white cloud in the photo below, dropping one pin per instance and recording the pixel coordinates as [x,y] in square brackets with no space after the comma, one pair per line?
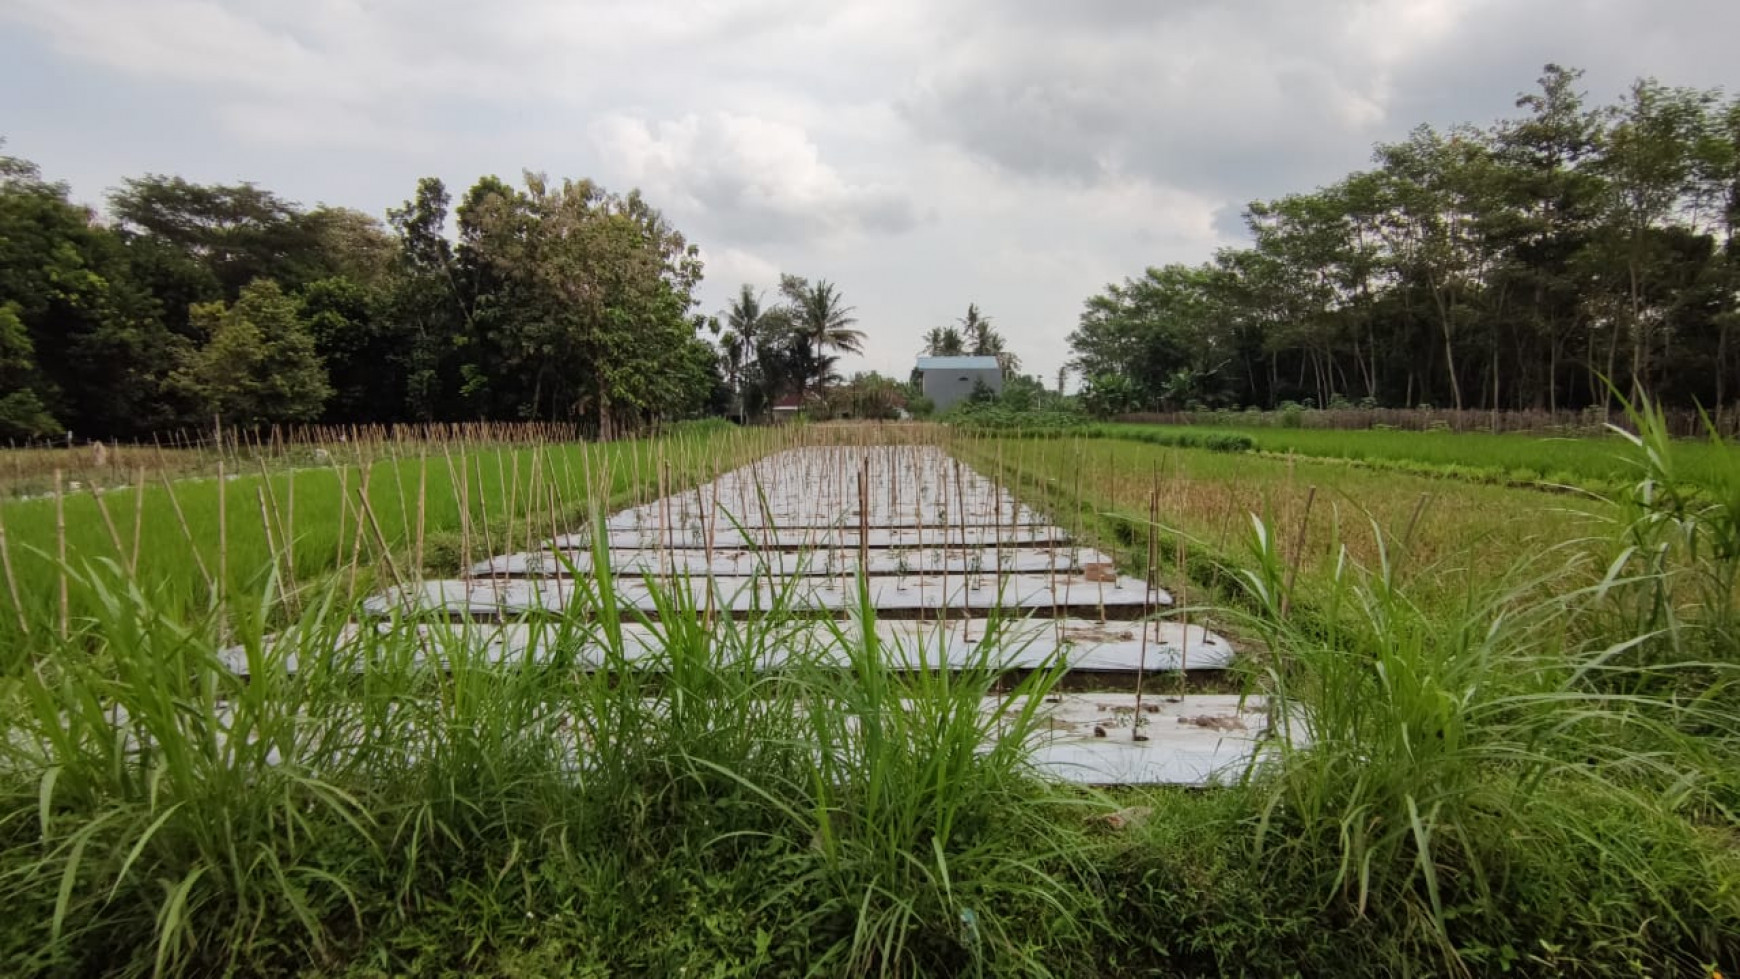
[747,177]
[731,267]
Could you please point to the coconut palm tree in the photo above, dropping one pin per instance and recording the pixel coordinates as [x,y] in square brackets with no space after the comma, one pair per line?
[745,316]
[822,322]
[944,341]
[985,341]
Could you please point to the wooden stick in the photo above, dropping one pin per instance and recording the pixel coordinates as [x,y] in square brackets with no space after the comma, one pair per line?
[60,553]
[187,532]
[1184,613]
[380,538]
[138,522]
[422,511]
[11,578]
[1147,606]
[223,582]
[108,523]
[1298,552]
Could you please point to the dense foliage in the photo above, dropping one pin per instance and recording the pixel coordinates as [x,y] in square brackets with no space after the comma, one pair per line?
[781,351]
[558,301]
[1508,267]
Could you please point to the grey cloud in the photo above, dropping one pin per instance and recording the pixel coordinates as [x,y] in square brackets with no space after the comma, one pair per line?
[1219,98]
[1016,153]
[1481,66]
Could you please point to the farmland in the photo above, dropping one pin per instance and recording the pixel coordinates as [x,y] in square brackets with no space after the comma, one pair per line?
[1600,462]
[1455,655]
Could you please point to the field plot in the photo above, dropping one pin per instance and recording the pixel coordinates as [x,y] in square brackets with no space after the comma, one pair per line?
[954,571]
[899,700]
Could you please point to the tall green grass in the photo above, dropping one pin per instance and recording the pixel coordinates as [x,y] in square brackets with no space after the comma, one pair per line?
[406,799]
[1519,766]
[1536,780]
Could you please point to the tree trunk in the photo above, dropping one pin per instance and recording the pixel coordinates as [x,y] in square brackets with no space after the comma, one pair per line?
[1722,363]
[1553,374]
[1445,311]
[1612,359]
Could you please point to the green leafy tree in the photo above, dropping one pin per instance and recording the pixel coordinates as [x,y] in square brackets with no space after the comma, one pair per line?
[22,413]
[601,287]
[239,232]
[360,347]
[426,304]
[1650,168]
[1109,394]
[260,365]
[96,337]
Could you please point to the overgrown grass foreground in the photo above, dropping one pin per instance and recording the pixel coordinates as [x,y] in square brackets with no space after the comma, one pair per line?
[1538,781]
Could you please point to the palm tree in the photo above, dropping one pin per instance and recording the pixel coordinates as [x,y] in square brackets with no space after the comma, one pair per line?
[732,351]
[944,341]
[745,316]
[823,322]
[987,342]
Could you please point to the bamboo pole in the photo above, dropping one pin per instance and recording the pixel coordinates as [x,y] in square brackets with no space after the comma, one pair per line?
[108,523]
[1298,552]
[11,577]
[60,555]
[138,522]
[187,533]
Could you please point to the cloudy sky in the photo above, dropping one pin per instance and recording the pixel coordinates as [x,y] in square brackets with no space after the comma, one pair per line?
[922,154]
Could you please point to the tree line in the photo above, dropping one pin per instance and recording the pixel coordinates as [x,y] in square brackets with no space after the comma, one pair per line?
[556,300]
[1520,265]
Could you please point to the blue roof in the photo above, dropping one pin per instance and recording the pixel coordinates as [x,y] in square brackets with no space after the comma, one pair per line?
[958,364]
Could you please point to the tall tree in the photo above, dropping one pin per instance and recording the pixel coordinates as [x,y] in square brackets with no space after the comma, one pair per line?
[260,365]
[22,413]
[1650,169]
[822,322]
[605,286]
[96,338]
[983,340]
[426,302]
[944,341]
[239,232]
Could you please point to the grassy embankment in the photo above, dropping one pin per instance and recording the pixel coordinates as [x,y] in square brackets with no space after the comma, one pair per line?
[1511,769]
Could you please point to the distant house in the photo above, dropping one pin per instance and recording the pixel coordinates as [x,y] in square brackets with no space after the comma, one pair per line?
[788,408]
[947,381]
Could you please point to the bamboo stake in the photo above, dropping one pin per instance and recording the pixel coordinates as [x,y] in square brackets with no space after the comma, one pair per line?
[356,535]
[187,532]
[223,582]
[108,523]
[138,522]
[1184,613]
[1148,602]
[266,520]
[60,554]
[422,511]
[1298,552]
[380,538]
[11,577]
